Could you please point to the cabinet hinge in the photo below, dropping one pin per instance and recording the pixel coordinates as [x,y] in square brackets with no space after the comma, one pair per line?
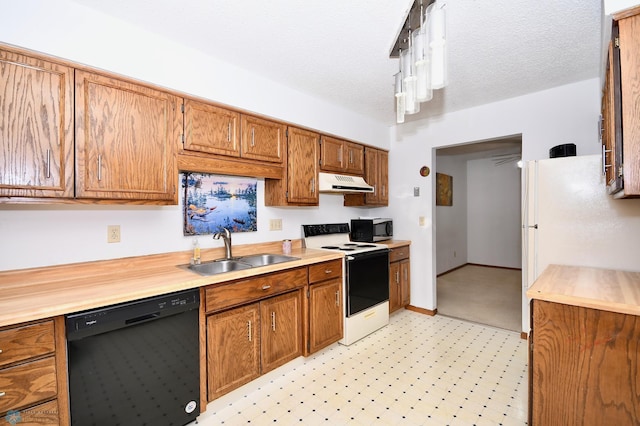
[182,108]
[182,137]
[286,132]
[286,195]
[308,346]
[620,170]
[308,294]
[616,42]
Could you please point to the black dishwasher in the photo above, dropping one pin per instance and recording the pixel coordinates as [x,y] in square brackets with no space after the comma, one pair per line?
[135,363]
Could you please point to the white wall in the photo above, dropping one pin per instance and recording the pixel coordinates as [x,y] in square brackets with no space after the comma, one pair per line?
[544,119]
[45,235]
[451,233]
[493,216]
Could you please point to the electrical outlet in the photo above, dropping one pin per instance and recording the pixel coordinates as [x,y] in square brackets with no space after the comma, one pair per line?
[275,225]
[113,233]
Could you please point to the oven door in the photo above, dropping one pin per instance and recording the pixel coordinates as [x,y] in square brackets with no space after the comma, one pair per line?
[367,280]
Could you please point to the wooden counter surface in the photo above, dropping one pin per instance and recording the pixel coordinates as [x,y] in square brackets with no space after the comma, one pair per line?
[37,293]
[395,243]
[603,289]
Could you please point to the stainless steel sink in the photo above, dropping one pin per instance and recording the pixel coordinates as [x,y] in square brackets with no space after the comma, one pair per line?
[221,266]
[266,259]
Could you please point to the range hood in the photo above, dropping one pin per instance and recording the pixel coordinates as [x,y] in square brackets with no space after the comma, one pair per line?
[330,182]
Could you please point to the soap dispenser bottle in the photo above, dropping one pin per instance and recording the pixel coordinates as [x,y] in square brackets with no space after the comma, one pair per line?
[196,252]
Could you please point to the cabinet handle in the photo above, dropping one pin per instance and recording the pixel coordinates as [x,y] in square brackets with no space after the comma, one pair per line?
[266,287]
[48,163]
[350,156]
[328,271]
[313,185]
[338,298]
[604,160]
[253,136]
[398,277]
[2,394]
[229,132]
[339,155]
[99,167]
[249,330]
[384,190]
[273,321]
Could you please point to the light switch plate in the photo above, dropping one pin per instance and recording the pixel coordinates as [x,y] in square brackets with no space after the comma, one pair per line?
[416,191]
[275,225]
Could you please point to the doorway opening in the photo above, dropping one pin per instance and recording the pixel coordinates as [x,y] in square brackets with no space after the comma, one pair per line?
[478,234]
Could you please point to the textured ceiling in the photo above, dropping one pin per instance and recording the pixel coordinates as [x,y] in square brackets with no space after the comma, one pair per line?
[339,50]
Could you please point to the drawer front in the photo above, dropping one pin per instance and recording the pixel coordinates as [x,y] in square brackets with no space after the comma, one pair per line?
[27,384]
[325,271]
[399,253]
[246,291]
[43,414]
[29,341]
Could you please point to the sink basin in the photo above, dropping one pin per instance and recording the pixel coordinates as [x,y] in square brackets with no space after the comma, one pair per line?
[239,263]
[266,259]
[219,267]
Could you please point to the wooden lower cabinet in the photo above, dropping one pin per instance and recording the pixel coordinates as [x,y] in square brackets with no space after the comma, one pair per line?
[32,390]
[245,342]
[233,349]
[324,311]
[281,330]
[399,278]
[584,366]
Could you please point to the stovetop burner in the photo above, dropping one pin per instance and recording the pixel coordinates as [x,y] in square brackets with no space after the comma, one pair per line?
[335,237]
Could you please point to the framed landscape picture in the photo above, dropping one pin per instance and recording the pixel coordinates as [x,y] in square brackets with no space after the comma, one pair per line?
[212,202]
[444,190]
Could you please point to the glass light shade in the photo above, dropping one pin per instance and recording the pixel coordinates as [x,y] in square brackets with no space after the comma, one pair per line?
[422,65]
[400,98]
[409,82]
[438,46]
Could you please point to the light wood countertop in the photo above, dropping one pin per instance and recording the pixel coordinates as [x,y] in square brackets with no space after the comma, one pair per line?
[395,243]
[37,293]
[603,289]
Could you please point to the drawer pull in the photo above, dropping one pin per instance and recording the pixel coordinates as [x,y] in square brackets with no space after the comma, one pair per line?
[0,351]
[273,321]
[266,287]
[2,394]
[328,271]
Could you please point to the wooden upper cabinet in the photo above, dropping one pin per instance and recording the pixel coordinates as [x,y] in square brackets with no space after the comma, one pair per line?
[262,139]
[376,174]
[621,107]
[211,129]
[302,167]
[341,156]
[36,127]
[125,140]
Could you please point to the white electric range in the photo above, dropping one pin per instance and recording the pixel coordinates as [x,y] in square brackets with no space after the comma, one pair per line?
[366,278]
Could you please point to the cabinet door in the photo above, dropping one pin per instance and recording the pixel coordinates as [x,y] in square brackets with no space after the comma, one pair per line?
[210,129]
[405,282]
[36,127]
[629,69]
[354,158]
[325,314]
[394,286]
[262,139]
[281,330]
[371,176]
[383,178]
[126,140]
[302,167]
[332,154]
[233,345]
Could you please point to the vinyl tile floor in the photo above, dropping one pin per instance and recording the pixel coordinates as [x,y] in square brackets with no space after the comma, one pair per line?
[419,370]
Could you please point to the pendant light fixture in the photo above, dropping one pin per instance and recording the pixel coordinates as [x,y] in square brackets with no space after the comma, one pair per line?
[422,49]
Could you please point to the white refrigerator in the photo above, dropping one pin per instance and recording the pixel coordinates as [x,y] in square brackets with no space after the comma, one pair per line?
[569,219]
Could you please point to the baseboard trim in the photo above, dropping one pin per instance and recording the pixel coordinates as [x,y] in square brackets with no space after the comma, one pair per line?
[524,335]
[478,264]
[421,310]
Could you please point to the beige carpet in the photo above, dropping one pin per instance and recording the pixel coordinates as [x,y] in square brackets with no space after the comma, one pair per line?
[482,294]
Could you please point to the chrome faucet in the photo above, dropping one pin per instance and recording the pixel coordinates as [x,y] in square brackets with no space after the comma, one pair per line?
[226,236]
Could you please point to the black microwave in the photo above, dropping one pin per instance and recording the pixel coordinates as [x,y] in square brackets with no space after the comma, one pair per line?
[371,230]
